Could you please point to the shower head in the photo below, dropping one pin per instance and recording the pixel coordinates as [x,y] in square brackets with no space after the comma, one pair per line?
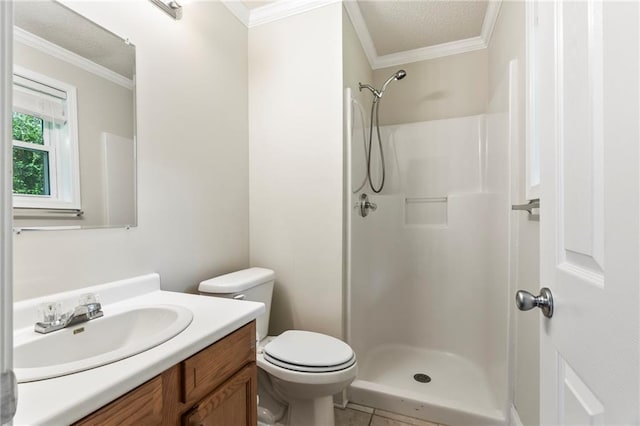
[398,75]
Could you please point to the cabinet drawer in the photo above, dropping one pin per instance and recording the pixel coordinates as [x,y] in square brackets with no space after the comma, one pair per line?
[210,367]
[141,406]
[233,403]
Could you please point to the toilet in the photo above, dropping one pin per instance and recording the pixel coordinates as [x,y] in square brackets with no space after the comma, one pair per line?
[298,371]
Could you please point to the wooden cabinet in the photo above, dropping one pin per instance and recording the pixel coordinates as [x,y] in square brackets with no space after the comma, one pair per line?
[142,406]
[216,386]
[212,366]
[232,403]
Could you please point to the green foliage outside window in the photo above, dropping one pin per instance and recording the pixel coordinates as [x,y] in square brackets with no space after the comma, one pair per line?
[27,128]
[30,167]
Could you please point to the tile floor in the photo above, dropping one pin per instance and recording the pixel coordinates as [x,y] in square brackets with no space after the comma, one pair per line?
[358,415]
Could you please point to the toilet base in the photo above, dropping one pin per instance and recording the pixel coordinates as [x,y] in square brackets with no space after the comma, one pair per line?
[276,409]
[315,412]
[318,411]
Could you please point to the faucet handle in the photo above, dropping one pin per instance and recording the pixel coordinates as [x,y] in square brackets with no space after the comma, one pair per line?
[50,312]
[90,306]
[88,299]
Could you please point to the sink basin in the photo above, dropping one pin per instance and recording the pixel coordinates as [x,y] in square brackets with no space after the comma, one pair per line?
[115,336]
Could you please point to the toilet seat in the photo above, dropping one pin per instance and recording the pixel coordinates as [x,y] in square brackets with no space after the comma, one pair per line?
[308,352]
[308,369]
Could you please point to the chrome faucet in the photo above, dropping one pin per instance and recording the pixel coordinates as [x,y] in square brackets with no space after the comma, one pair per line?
[88,308]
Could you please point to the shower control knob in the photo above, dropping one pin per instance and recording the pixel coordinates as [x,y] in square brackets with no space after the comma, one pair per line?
[365,205]
[526,301]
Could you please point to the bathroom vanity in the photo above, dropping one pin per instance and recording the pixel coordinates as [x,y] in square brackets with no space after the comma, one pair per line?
[218,385]
[205,374]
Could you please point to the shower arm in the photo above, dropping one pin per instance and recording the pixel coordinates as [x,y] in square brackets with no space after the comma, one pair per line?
[376,95]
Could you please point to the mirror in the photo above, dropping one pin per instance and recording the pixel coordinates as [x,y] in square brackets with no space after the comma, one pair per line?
[74,127]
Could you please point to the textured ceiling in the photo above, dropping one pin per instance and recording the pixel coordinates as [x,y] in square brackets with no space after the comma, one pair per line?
[404,25]
[59,25]
[396,26]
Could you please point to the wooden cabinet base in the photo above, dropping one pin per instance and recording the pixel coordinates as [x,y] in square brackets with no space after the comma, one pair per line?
[233,403]
[226,395]
[141,406]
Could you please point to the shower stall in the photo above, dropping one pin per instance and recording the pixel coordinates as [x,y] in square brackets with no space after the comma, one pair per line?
[427,301]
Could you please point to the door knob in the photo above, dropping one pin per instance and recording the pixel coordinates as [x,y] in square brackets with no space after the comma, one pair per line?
[544,301]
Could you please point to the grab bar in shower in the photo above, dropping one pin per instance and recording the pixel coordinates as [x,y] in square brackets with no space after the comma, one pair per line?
[528,207]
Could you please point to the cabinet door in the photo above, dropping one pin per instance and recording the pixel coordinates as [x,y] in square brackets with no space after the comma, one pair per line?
[232,403]
[141,406]
[213,366]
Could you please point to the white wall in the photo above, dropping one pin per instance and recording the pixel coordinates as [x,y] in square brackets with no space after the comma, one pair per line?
[356,68]
[295,144]
[192,159]
[508,42]
[448,87]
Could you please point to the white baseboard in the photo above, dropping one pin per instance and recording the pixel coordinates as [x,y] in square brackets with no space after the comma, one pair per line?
[341,400]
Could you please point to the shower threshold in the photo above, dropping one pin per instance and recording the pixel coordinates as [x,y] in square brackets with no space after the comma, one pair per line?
[457,392]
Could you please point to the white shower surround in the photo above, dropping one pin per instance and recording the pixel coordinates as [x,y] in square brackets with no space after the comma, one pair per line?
[436,292]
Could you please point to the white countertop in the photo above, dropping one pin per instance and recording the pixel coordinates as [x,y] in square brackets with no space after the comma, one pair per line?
[64,400]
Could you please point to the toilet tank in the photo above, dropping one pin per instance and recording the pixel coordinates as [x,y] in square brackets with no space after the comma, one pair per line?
[253,284]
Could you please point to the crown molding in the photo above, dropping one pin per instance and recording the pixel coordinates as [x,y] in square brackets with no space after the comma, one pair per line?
[58,52]
[359,25]
[239,10]
[425,53]
[430,52]
[285,8]
[490,18]
[272,11]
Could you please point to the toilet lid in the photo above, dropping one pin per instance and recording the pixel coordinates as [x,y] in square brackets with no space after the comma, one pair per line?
[308,351]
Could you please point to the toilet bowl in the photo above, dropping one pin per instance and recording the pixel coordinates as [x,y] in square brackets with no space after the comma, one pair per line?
[300,370]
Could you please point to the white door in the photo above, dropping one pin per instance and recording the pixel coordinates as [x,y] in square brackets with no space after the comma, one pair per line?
[587,115]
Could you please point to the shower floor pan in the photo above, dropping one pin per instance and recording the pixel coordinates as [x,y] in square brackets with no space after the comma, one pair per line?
[458,393]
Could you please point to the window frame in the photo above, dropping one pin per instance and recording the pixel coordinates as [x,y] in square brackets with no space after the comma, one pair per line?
[63,148]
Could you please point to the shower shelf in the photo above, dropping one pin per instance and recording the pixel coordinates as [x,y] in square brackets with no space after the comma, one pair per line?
[427,211]
[409,200]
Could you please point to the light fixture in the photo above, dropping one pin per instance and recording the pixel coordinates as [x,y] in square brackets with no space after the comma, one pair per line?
[171,7]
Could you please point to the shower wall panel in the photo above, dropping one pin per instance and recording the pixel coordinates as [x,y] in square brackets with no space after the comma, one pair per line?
[427,285]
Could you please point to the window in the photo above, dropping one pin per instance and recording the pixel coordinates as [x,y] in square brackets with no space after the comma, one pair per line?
[45,143]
